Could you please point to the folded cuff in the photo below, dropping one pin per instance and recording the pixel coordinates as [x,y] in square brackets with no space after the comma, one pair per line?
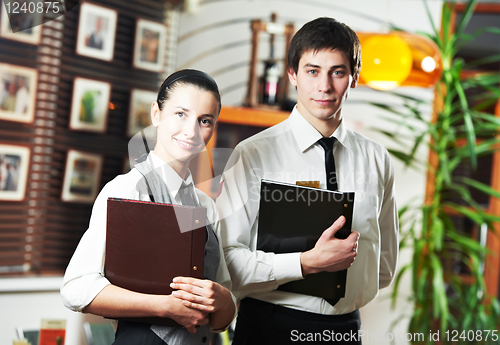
[287,268]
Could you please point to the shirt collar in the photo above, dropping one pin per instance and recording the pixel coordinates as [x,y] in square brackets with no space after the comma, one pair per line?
[306,135]
[169,175]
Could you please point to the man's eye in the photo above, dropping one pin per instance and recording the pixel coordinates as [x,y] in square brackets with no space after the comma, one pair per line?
[312,72]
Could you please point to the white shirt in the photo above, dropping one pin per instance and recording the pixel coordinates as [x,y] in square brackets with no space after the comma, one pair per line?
[288,152]
[84,277]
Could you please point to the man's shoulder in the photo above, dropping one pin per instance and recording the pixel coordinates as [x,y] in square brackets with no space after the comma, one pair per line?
[364,143]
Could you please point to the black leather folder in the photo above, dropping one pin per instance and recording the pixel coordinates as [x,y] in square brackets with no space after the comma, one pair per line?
[292,218]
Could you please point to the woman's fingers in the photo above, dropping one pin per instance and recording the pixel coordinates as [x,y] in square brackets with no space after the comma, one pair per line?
[204,288]
[201,295]
[197,306]
[202,283]
[195,300]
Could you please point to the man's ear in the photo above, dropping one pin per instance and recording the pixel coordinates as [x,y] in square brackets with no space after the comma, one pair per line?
[292,76]
[155,114]
[354,82]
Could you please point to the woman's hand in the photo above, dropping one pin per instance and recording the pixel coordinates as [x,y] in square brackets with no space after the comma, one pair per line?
[117,302]
[204,295]
[190,318]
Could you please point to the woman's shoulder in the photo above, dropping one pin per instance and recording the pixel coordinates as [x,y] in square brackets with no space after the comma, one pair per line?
[123,186]
[209,203]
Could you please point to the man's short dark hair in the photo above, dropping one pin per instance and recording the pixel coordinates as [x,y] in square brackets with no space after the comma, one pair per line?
[325,33]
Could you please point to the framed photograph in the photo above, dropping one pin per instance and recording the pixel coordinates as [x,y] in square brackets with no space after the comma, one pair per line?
[17,93]
[22,26]
[149,47]
[81,177]
[139,116]
[14,163]
[89,107]
[96,31]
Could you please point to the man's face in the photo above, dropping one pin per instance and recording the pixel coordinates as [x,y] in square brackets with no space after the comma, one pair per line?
[322,80]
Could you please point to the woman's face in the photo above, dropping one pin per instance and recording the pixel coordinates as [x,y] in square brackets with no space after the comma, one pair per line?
[185,125]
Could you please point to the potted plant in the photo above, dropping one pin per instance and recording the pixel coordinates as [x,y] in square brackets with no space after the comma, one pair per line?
[444,301]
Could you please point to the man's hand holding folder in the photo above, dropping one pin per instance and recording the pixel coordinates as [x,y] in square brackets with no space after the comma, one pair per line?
[330,254]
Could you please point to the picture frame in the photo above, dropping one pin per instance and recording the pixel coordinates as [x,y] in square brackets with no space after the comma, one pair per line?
[96,31]
[14,165]
[149,45]
[139,115]
[89,105]
[17,93]
[28,28]
[82,176]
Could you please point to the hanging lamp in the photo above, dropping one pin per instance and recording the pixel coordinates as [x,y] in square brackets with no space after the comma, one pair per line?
[397,59]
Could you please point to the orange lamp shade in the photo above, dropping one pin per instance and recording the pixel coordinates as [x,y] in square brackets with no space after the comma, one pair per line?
[398,59]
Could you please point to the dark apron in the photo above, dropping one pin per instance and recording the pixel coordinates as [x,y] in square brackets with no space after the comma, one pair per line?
[137,333]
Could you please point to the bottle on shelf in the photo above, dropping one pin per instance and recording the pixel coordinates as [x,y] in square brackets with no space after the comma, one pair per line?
[271,75]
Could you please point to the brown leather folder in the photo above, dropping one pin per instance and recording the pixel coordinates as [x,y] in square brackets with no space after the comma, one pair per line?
[148,244]
[292,218]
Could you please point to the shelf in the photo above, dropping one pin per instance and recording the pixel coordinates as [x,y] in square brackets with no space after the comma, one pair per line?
[261,116]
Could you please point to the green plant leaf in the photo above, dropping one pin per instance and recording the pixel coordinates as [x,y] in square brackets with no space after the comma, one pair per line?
[402,156]
[483,61]
[395,290]
[481,186]
[477,216]
[437,36]
[466,16]
[440,303]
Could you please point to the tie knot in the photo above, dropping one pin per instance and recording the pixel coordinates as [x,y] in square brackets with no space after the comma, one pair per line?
[186,195]
[327,143]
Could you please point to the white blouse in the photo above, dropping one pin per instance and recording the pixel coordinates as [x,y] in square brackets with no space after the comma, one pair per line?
[84,277]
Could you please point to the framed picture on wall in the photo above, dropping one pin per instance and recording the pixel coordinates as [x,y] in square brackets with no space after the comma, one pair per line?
[96,31]
[22,26]
[17,93]
[89,106]
[81,177]
[149,46]
[139,116]
[14,163]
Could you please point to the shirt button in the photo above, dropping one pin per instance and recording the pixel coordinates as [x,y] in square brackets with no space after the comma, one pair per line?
[185,191]
[204,339]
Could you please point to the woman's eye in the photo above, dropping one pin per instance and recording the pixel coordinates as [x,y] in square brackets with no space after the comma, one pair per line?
[180,114]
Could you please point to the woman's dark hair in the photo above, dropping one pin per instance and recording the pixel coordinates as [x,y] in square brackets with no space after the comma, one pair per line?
[325,33]
[192,77]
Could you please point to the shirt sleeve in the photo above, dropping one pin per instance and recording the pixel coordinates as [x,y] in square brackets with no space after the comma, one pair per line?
[223,277]
[84,277]
[389,228]
[251,270]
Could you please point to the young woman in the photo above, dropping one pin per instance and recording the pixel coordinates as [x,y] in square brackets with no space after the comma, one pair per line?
[185,116]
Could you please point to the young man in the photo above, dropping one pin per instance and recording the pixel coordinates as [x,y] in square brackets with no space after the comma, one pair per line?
[324,61]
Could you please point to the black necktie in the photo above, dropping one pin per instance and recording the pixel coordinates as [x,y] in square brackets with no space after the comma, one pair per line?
[186,196]
[331,179]
[331,175]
